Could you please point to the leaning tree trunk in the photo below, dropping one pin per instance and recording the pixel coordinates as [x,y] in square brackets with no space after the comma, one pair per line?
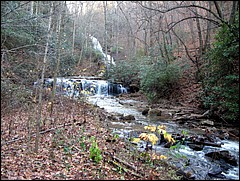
[41,83]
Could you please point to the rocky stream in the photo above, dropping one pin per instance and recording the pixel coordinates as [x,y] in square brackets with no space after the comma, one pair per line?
[202,149]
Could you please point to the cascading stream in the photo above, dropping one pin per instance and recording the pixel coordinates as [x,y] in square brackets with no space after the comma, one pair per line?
[101,93]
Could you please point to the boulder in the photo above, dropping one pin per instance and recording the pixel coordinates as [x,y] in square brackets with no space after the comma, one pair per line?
[196,147]
[128,117]
[225,155]
[145,111]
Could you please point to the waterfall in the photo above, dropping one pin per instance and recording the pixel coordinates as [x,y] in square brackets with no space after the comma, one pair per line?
[97,46]
[102,88]
[74,87]
[122,89]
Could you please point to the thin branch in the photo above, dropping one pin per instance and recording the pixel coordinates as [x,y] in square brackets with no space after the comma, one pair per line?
[218,9]
[185,47]
[184,6]
[15,8]
[193,17]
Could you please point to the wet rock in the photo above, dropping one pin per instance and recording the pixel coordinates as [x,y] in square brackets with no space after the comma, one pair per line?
[186,175]
[215,170]
[225,155]
[196,147]
[112,117]
[223,135]
[145,111]
[154,112]
[207,122]
[168,145]
[128,117]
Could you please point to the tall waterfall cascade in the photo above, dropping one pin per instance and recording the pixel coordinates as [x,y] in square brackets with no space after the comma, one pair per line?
[75,87]
[107,59]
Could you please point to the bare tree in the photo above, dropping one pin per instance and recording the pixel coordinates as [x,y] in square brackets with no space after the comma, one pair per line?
[42,80]
[59,32]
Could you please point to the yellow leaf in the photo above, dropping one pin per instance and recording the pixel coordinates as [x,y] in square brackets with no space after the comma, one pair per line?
[169,138]
[162,127]
[143,136]
[157,157]
[163,157]
[135,140]
[151,128]
[149,137]
[152,138]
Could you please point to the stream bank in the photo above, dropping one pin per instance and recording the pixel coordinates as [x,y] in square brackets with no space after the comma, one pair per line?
[126,115]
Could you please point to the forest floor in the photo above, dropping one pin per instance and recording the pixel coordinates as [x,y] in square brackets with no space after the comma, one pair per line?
[66,142]
[66,148]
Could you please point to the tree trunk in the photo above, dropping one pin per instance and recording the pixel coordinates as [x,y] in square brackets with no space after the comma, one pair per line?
[58,56]
[41,83]
[200,37]
[233,12]
[74,29]
[207,37]
[82,46]
[31,7]
[165,48]
[105,28]
[117,49]
[151,33]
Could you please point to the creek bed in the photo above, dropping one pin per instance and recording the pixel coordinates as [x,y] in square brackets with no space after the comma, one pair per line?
[200,166]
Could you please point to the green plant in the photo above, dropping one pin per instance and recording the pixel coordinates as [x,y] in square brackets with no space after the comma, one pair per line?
[95,152]
[221,85]
[158,80]
[116,136]
[126,72]
[82,144]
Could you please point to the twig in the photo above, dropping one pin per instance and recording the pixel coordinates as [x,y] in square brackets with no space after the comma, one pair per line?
[42,132]
[124,169]
[125,163]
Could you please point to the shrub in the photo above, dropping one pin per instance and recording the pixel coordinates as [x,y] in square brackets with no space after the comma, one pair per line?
[158,80]
[126,72]
[221,86]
